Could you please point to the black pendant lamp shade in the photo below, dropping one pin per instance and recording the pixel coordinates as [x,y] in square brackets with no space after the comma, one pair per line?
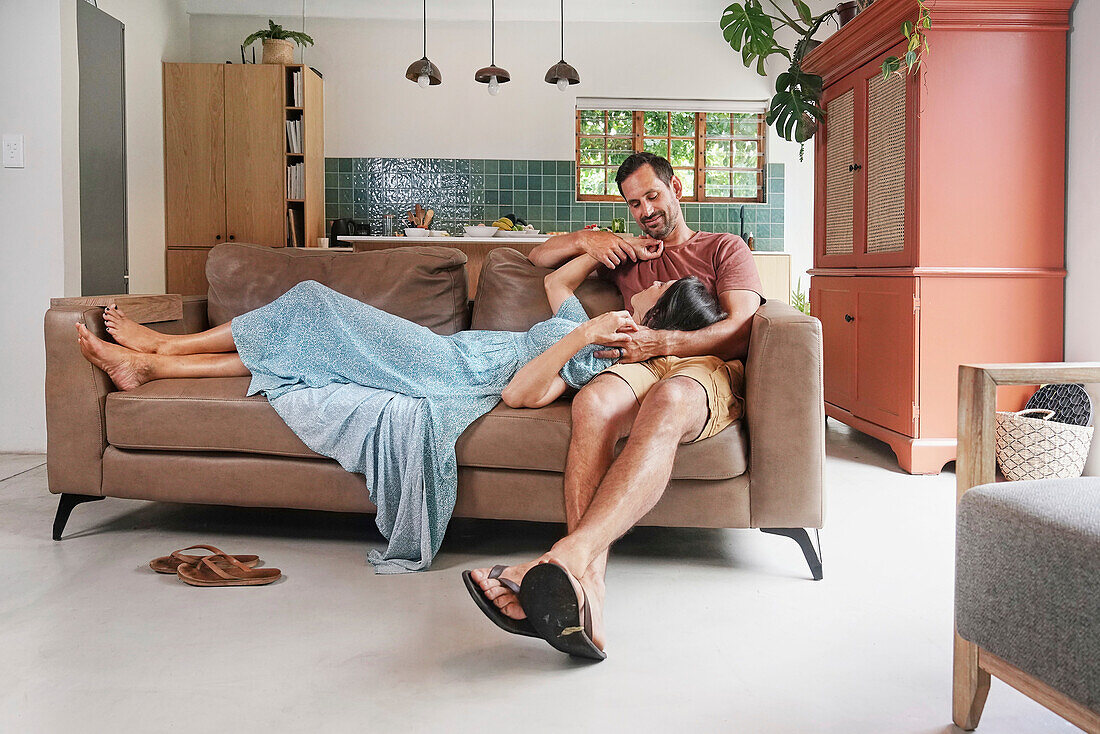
[422,71]
[492,74]
[561,73]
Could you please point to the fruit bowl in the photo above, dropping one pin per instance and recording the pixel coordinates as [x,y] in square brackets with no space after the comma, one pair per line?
[480,231]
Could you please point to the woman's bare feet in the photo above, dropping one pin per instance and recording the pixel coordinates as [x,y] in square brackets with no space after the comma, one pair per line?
[131,334]
[126,368]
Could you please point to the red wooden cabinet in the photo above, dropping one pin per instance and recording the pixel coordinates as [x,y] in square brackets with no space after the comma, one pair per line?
[938,216]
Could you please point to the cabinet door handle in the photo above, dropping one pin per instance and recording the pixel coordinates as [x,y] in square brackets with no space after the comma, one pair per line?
[849,317]
[217,236]
[232,237]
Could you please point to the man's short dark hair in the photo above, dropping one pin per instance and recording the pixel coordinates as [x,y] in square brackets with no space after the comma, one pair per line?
[634,161]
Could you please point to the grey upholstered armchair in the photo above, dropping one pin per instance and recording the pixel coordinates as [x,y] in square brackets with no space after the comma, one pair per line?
[1027,565]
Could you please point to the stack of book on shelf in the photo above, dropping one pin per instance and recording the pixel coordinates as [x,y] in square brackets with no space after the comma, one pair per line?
[295,181]
[294,136]
[296,88]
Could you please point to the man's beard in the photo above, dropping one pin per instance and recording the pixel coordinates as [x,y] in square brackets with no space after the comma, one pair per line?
[662,232]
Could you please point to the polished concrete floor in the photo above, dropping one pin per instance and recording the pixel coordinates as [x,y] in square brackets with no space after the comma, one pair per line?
[708,630]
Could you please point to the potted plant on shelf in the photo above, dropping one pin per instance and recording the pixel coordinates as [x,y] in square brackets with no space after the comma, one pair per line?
[795,110]
[278,43]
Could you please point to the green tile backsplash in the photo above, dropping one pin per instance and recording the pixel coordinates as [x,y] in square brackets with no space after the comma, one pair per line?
[468,191]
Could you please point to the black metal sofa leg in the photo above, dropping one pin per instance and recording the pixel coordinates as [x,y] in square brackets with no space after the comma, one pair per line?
[800,536]
[64,507]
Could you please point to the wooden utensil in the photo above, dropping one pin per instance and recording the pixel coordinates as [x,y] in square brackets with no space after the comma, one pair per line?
[428,218]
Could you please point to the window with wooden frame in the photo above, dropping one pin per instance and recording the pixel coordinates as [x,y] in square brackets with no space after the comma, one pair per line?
[718,156]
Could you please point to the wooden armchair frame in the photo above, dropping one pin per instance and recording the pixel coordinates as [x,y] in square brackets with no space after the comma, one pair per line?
[977,464]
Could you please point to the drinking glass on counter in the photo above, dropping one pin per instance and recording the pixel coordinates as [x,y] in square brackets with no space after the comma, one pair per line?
[387,225]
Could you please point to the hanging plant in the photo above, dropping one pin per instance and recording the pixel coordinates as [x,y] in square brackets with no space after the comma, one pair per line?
[795,109]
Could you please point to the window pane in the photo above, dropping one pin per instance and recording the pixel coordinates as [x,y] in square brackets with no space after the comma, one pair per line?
[718,153]
[718,124]
[746,124]
[620,144]
[592,122]
[746,153]
[656,123]
[683,123]
[717,184]
[592,181]
[612,187]
[687,178]
[745,183]
[592,151]
[620,122]
[683,153]
[657,147]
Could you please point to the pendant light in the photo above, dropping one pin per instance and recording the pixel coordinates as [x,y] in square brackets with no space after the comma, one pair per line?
[492,74]
[561,73]
[422,71]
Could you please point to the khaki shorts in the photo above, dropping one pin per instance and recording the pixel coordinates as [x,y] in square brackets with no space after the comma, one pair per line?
[724,383]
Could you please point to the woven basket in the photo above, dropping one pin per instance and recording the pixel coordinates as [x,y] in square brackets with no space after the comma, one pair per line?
[1038,448]
[278,51]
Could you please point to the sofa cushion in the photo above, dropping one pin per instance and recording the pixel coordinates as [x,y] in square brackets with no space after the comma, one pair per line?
[511,438]
[1027,579]
[205,414]
[423,284]
[511,297]
[213,414]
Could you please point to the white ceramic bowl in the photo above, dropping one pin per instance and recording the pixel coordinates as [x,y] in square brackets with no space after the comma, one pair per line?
[440,233]
[519,233]
[417,232]
[479,231]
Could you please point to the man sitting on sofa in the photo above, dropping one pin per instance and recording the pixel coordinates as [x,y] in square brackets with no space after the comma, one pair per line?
[669,387]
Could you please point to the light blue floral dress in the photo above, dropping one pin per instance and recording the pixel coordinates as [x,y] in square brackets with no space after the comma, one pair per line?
[388,398]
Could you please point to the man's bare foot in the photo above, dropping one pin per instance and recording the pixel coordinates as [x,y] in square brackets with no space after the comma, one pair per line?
[126,368]
[506,601]
[131,334]
[594,591]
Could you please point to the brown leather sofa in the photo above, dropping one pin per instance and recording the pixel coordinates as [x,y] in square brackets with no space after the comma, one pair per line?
[203,441]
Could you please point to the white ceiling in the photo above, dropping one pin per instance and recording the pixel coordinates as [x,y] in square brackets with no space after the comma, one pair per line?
[608,11]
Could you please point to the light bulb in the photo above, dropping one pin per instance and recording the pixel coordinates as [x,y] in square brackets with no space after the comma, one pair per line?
[494,86]
[423,80]
[563,84]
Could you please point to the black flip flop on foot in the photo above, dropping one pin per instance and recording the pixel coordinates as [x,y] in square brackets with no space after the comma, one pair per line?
[491,610]
[548,598]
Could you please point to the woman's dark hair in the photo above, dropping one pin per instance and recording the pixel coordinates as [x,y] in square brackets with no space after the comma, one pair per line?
[686,305]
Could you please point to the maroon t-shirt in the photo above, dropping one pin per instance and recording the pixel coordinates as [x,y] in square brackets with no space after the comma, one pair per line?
[722,261]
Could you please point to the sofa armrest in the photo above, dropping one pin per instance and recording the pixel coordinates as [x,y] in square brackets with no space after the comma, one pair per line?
[76,393]
[785,411]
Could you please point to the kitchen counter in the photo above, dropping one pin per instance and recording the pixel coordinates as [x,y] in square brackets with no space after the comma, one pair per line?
[774,267]
[449,241]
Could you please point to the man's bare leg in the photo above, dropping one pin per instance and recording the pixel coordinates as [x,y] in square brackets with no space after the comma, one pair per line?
[129,369]
[673,412]
[602,413]
[133,335]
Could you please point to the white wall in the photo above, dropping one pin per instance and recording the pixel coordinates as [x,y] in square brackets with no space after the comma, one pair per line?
[32,259]
[372,110]
[39,204]
[1083,204]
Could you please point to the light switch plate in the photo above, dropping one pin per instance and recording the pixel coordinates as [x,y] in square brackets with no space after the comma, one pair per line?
[12,151]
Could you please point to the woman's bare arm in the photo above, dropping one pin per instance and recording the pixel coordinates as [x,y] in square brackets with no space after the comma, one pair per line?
[562,283]
[538,383]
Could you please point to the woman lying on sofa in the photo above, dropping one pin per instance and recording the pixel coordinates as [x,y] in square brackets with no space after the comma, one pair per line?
[388,398]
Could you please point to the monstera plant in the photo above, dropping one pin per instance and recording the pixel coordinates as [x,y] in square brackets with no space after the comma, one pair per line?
[795,110]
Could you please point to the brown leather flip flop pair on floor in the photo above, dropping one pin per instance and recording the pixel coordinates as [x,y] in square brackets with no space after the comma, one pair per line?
[216,569]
